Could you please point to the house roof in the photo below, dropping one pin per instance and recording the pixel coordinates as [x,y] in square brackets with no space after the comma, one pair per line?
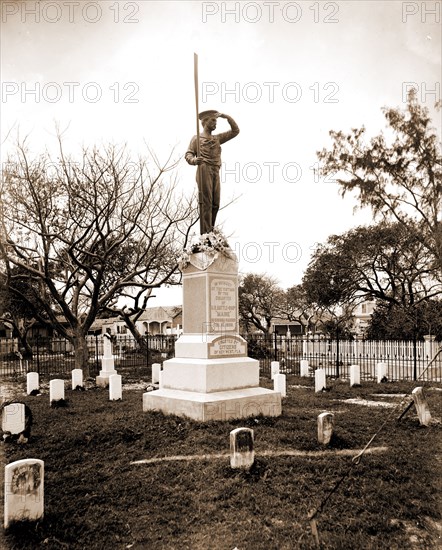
[161,313]
[281,321]
[99,323]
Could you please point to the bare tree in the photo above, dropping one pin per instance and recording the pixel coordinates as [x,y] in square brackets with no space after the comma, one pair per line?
[94,233]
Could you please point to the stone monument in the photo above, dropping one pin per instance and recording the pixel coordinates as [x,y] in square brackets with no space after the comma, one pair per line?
[107,363]
[211,376]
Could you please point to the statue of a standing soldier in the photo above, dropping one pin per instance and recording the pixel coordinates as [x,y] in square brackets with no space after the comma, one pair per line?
[209,164]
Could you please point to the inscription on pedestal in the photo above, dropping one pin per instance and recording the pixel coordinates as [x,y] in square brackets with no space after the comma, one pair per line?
[223,305]
[227,346]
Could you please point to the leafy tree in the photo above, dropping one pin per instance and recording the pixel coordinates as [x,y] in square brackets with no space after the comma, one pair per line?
[93,233]
[259,301]
[295,306]
[339,322]
[383,262]
[391,322]
[400,180]
[325,293]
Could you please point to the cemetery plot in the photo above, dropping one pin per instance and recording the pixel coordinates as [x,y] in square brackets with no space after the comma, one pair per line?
[203,503]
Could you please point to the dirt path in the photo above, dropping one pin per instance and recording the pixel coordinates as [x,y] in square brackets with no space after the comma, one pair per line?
[286,452]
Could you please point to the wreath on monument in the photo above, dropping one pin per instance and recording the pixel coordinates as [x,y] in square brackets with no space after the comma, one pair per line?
[212,244]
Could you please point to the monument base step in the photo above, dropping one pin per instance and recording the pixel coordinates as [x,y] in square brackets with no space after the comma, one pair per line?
[210,375]
[103,379]
[224,405]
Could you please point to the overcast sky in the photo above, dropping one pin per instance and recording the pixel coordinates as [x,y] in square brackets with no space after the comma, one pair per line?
[287,72]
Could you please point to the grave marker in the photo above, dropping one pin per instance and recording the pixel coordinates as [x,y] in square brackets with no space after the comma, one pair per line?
[77,379]
[304,367]
[381,372]
[320,383]
[56,390]
[279,384]
[274,366]
[13,418]
[422,409]
[156,368]
[115,389]
[242,454]
[355,375]
[32,382]
[325,427]
[24,494]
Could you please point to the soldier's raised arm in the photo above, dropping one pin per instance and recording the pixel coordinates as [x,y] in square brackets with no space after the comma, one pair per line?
[230,134]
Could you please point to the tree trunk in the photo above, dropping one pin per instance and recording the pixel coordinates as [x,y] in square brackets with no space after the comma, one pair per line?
[139,338]
[26,350]
[81,354]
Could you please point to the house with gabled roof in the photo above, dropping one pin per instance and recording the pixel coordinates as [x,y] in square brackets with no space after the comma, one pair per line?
[161,320]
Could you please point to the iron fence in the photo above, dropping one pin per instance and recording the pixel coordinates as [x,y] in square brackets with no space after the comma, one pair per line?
[404,360]
[55,356]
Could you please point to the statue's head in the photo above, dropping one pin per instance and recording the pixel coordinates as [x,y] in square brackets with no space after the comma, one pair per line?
[208,119]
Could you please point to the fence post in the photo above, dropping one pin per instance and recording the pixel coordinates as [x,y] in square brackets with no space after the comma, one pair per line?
[38,354]
[97,366]
[276,347]
[414,356]
[337,353]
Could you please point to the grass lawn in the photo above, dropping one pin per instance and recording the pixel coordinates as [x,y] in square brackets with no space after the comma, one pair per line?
[95,498]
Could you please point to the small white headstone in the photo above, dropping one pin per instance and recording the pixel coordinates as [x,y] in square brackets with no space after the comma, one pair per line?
[355,375]
[156,368]
[325,427]
[160,379]
[24,494]
[304,367]
[242,454]
[320,383]
[56,390]
[115,388]
[422,409]
[381,372]
[32,382]
[13,418]
[77,378]
[279,384]
[274,365]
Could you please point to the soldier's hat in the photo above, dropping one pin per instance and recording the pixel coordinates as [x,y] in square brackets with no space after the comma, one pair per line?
[208,114]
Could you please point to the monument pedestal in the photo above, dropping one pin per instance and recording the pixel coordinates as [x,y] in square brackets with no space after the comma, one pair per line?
[211,377]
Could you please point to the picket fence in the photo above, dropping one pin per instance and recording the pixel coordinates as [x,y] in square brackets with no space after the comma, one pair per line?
[406,360]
